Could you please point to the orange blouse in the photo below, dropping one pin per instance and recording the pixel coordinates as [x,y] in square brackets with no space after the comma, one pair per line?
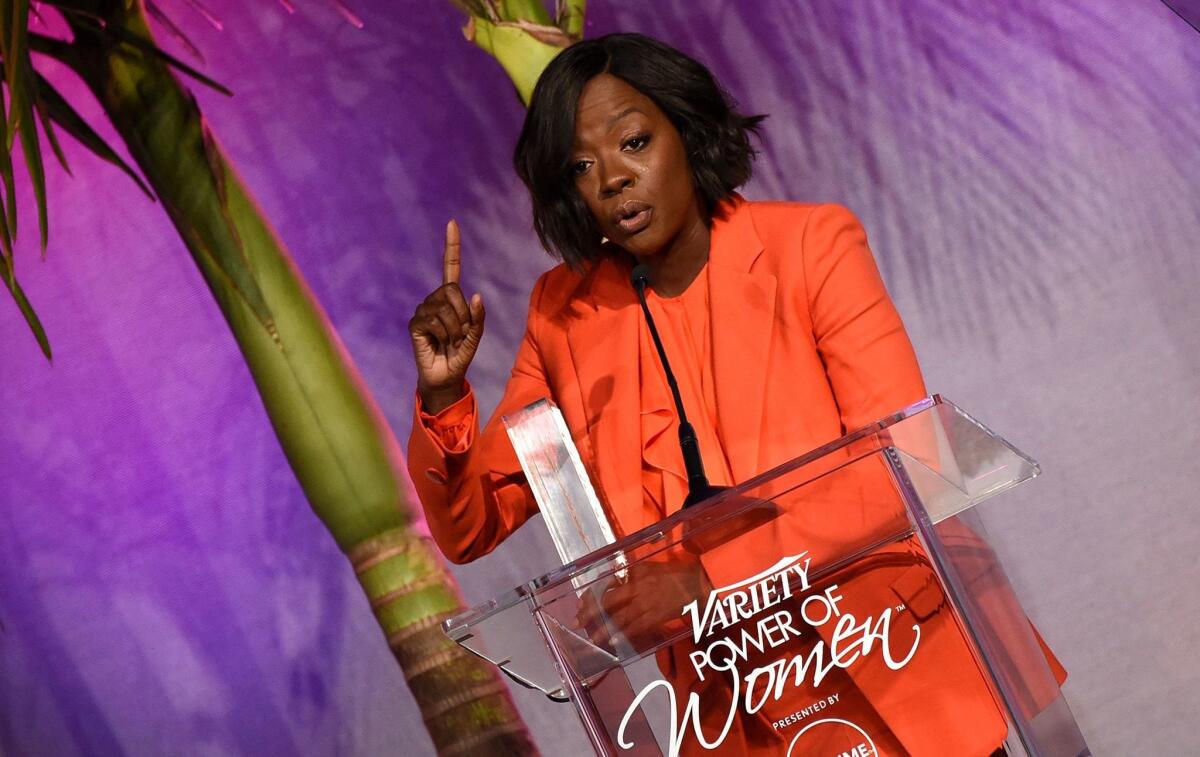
[683,326]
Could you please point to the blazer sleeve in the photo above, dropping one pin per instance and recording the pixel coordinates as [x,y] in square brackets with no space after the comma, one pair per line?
[473,491]
[870,362]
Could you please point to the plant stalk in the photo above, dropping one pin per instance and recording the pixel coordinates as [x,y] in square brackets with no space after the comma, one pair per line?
[333,433]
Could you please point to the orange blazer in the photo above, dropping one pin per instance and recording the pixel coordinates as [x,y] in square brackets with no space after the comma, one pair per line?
[806,346]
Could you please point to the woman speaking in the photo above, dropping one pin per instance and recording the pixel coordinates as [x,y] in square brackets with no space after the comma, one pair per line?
[777,324]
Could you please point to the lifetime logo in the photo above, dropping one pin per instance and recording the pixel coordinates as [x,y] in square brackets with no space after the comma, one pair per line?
[864,748]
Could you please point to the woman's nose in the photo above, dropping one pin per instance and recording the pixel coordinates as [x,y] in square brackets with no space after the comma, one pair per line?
[615,176]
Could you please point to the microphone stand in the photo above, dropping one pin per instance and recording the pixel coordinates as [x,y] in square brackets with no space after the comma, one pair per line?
[698,487]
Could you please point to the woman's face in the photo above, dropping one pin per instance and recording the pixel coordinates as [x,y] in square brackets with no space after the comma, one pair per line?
[630,166]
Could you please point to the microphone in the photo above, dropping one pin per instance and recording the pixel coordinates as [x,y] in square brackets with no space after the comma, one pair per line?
[698,486]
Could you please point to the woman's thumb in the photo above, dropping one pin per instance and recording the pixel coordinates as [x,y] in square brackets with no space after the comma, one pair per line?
[477,312]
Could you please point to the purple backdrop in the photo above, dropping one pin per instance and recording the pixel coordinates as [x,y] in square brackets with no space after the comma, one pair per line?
[1027,171]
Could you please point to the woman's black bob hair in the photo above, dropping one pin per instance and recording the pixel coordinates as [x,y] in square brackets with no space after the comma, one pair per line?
[715,136]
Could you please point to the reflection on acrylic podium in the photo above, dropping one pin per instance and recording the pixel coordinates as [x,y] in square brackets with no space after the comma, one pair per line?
[845,603]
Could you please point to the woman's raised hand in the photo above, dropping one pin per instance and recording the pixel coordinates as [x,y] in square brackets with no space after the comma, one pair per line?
[445,333]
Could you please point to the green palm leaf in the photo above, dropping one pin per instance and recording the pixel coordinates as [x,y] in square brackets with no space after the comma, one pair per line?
[35,324]
[8,214]
[15,55]
[29,93]
[61,112]
[51,135]
[30,147]
[6,171]
[117,33]
[6,256]
[17,71]
[173,29]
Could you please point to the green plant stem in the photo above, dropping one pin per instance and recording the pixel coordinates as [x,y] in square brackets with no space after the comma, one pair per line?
[335,437]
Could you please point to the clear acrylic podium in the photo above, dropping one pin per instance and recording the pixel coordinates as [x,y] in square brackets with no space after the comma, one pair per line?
[844,603]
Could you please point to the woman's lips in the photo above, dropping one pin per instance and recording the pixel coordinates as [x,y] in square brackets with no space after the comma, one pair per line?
[634,217]
[636,222]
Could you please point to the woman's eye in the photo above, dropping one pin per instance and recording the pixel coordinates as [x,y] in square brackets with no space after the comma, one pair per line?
[577,168]
[638,142]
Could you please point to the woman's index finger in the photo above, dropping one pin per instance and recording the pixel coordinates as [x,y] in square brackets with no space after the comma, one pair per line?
[452,255]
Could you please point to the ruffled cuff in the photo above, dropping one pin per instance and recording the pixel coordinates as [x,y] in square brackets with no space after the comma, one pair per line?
[453,429]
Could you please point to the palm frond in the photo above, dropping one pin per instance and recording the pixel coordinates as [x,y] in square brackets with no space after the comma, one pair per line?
[71,122]
[35,324]
[31,149]
[6,174]
[6,255]
[118,34]
[173,29]
[72,5]
[149,47]
[21,95]
[7,22]
[58,49]
[51,135]
[32,99]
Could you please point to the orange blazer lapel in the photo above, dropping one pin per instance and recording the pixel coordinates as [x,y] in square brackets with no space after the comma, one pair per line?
[742,327]
[602,335]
